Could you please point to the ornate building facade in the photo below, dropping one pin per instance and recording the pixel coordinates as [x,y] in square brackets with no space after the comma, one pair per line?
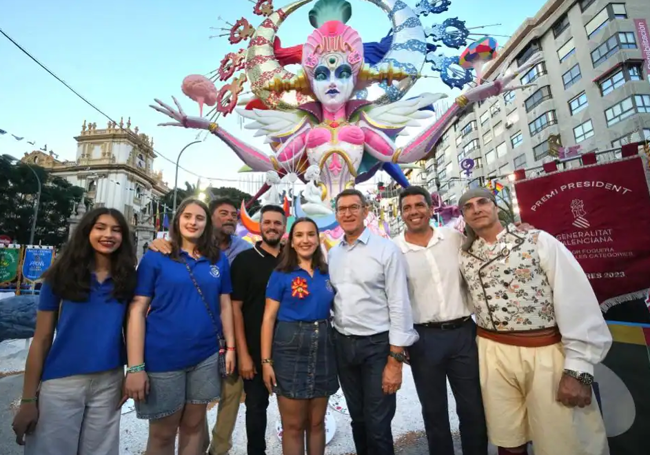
[115,167]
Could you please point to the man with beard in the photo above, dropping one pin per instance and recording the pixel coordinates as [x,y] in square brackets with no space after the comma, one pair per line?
[250,274]
[372,324]
[442,317]
[540,333]
[224,219]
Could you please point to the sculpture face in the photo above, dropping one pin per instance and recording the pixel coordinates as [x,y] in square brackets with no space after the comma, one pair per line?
[312,174]
[333,83]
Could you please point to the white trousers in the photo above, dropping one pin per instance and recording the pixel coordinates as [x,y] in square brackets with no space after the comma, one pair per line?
[519,388]
[78,415]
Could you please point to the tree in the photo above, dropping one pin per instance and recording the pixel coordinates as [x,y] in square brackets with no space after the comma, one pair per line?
[506,210]
[18,191]
[236,195]
[214,193]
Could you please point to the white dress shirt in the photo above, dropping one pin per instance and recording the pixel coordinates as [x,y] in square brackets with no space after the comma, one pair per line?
[585,335]
[371,292]
[437,290]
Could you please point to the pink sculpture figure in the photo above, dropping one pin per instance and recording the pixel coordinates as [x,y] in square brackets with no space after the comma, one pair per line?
[200,89]
[334,131]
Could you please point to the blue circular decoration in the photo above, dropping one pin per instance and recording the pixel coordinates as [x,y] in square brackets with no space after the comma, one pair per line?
[426,7]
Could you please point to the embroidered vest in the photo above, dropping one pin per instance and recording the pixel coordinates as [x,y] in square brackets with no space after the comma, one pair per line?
[509,289]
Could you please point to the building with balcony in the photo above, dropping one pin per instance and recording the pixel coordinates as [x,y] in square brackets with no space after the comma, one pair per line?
[115,167]
[591,89]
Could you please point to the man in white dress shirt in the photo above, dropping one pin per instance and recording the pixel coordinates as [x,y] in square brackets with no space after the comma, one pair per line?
[540,333]
[441,315]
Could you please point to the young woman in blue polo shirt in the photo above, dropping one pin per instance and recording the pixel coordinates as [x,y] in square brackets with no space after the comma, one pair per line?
[297,349]
[181,308]
[84,298]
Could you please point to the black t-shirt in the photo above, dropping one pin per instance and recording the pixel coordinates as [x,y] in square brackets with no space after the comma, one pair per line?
[250,272]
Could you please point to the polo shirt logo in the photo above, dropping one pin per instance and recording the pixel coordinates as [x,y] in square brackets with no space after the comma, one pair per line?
[214,271]
[328,285]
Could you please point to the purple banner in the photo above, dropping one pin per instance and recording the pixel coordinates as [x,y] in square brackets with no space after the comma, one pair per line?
[644,42]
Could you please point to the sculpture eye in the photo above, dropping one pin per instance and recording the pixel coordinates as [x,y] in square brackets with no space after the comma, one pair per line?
[321,73]
[344,72]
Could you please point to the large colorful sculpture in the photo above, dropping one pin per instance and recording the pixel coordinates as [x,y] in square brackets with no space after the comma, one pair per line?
[339,113]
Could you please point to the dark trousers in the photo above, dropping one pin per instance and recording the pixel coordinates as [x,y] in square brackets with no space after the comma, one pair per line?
[449,354]
[257,401]
[360,362]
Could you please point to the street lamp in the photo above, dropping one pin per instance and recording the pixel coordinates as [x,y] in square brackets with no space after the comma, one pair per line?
[176,175]
[11,159]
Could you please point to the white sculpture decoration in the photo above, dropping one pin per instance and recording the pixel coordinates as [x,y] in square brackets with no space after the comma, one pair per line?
[313,194]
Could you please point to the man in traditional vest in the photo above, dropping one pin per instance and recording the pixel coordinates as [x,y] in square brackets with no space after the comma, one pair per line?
[540,333]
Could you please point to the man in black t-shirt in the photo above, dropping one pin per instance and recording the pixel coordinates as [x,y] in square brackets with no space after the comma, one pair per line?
[250,272]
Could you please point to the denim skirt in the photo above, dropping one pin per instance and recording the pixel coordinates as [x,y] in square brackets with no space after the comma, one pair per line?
[303,360]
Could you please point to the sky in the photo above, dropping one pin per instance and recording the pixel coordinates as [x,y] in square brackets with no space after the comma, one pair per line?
[122,54]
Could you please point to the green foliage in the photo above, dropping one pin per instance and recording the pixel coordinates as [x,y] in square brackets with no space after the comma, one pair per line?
[214,193]
[236,195]
[504,202]
[18,191]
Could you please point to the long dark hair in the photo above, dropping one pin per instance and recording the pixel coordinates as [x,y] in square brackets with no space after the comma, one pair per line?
[207,245]
[69,276]
[289,257]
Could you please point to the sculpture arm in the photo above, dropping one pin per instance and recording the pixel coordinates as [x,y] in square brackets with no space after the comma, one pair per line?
[256,159]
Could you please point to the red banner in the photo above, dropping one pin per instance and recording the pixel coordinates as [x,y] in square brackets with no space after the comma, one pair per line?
[602,215]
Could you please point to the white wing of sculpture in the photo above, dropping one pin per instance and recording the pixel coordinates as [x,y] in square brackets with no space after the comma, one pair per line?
[274,124]
[402,113]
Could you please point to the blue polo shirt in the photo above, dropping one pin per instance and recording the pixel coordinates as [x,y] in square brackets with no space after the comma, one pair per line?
[237,245]
[89,337]
[314,305]
[179,331]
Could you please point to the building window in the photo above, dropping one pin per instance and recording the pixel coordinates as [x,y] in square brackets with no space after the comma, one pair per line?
[584,4]
[487,137]
[542,122]
[642,103]
[470,147]
[578,103]
[505,169]
[613,82]
[619,111]
[533,73]
[622,40]
[440,161]
[584,131]
[520,161]
[495,109]
[538,98]
[513,118]
[632,137]
[471,126]
[509,97]
[516,139]
[566,50]
[572,76]
[442,174]
[459,140]
[560,25]
[498,129]
[611,12]
[530,50]
[502,149]
[478,163]
[490,157]
[541,150]
[484,117]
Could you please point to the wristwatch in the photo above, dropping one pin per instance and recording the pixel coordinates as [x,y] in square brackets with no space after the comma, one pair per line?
[399,356]
[584,378]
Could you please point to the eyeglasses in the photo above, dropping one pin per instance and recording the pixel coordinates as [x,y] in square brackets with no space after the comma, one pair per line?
[353,209]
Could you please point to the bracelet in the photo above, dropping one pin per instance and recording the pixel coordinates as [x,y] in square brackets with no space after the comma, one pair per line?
[135,368]
[231,349]
[212,127]
[28,400]
[269,361]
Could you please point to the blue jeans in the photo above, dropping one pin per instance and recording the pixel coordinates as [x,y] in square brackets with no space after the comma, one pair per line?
[361,361]
[449,354]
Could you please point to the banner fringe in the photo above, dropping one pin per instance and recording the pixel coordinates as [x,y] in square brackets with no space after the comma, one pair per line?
[615,301]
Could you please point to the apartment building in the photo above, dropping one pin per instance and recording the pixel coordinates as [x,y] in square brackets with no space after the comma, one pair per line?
[592,89]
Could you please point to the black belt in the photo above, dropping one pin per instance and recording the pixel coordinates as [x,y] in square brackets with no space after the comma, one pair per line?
[447,325]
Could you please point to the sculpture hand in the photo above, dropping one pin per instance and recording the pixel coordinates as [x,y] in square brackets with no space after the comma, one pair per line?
[502,83]
[181,119]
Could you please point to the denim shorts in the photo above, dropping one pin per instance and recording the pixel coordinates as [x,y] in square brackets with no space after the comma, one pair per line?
[304,361]
[169,391]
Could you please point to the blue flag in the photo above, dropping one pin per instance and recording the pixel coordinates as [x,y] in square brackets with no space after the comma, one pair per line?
[165,222]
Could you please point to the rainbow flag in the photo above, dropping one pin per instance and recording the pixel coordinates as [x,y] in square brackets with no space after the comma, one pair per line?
[495,186]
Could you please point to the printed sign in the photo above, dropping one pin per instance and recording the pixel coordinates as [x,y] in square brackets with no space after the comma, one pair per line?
[9,259]
[601,213]
[643,34]
[37,260]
